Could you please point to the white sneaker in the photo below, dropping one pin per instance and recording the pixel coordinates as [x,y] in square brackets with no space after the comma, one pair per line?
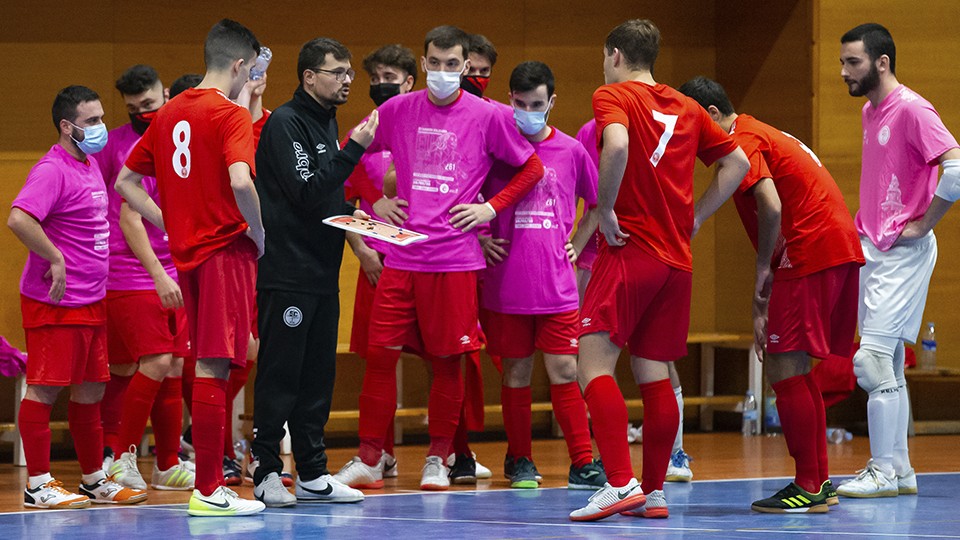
[125,472]
[270,491]
[222,502]
[655,507]
[634,434]
[106,491]
[53,495]
[107,461]
[359,475]
[180,477]
[907,483]
[435,475]
[869,483]
[679,468]
[609,500]
[388,463]
[326,489]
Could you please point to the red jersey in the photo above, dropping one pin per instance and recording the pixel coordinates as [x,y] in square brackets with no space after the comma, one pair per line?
[189,147]
[815,224]
[667,131]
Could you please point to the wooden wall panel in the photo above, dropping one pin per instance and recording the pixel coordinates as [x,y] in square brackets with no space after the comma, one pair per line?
[926,40]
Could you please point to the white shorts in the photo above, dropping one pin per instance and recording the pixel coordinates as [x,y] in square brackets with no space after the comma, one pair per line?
[894,286]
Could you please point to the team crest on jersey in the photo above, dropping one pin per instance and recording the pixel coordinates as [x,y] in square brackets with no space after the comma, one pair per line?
[292,317]
[884,135]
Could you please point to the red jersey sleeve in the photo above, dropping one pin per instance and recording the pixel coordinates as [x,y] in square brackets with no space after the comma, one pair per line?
[258,128]
[237,138]
[750,144]
[607,110]
[140,159]
[714,142]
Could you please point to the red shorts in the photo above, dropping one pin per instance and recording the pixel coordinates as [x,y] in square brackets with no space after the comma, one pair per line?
[434,312]
[518,336]
[640,301]
[61,355]
[138,325]
[816,313]
[362,305]
[219,296]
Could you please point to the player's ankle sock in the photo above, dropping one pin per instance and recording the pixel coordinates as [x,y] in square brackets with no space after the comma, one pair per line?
[186,380]
[678,442]
[137,403]
[111,411]
[444,407]
[87,434]
[34,424]
[516,404]
[167,419]
[571,413]
[461,439]
[209,398]
[609,414]
[660,420]
[800,425]
[821,412]
[378,401]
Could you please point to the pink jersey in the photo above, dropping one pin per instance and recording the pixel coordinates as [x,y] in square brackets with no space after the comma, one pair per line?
[903,138]
[588,138]
[126,272]
[69,200]
[537,277]
[442,156]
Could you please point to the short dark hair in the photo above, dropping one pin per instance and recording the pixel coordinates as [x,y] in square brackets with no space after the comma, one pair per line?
[137,80]
[877,42]
[447,37]
[708,92]
[314,53]
[479,44]
[529,76]
[638,40]
[395,56]
[67,100]
[227,42]
[184,82]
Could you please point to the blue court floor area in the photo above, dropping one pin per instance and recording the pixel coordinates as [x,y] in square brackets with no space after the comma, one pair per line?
[704,509]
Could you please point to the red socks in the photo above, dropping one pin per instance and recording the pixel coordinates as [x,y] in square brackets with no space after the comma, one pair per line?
[111,411]
[609,414]
[238,379]
[137,403]
[87,434]
[391,436]
[661,416]
[800,428]
[189,374]
[571,413]
[821,410]
[446,401]
[167,418]
[516,420]
[34,425]
[378,401]
[461,440]
[209,398]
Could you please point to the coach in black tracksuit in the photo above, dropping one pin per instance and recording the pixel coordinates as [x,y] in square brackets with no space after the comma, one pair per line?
[300,174]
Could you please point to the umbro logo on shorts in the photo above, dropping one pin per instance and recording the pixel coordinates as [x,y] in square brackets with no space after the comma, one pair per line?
[586,321]
[292,317]
[774,338]
[465,340]
[574,342]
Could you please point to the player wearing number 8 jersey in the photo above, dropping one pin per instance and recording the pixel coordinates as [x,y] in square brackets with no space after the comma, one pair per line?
[200,149]
[639,294]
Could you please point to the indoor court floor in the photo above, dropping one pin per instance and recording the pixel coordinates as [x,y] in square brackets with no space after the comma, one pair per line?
[729,473]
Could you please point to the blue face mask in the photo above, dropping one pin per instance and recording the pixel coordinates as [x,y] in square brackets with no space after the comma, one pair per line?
[94,138]
[530,122]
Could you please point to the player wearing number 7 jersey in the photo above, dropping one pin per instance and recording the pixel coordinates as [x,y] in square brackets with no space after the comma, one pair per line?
[808,264]
[639,294]
[200,149]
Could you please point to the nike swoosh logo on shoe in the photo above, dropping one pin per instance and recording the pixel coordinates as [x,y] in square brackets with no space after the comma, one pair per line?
[224,504]
[624,494]
[325,492]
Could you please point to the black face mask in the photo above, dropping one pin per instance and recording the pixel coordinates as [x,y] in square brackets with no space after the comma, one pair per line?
[380,93]
[141,121]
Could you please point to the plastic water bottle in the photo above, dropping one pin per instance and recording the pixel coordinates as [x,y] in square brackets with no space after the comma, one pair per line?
[260,66]
[751,418]
[928,352]
[838,435]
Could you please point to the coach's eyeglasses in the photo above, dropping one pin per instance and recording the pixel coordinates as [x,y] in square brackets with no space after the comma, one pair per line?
[339,74]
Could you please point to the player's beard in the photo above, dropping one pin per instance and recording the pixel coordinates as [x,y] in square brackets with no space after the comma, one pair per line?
[867,84]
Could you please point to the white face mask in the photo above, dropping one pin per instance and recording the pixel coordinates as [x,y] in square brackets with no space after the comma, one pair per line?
[442,84]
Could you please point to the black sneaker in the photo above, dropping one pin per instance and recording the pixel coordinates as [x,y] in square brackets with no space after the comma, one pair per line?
[464,470]
[830,493]
[524,474]
[590,476]
[508,466]
[793,500]
[232,473]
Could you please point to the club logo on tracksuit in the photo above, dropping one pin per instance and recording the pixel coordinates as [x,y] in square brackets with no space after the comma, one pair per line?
[292,317]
